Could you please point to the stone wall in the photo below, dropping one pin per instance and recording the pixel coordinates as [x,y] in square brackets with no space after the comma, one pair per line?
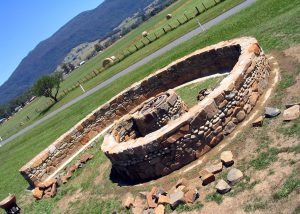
[204,125]
[242,55]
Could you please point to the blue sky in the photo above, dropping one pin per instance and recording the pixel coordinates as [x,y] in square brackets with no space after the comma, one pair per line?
[24,23]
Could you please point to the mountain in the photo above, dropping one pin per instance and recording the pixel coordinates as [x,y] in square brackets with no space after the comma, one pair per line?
[88,26]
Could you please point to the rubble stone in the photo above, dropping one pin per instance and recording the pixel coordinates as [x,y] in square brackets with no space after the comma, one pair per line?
[206,177]
[176,198]
[182,182]
[191,196]
[160,209]
[227,158]
[163,199]
[234,176]
[291,113]
[128,201]
[215,167]
[258,122]
[222,187]
[49,182]
[271,112]
[37,193]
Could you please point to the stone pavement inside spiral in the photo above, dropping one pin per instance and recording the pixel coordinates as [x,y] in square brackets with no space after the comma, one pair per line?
[149,131]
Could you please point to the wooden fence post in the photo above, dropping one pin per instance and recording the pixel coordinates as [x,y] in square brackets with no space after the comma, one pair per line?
[187,18]
[198,11]
[143,43]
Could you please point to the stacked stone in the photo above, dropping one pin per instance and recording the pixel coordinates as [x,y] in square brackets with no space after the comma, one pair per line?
[149,116]
[203,93]
[202,128]
[191,67]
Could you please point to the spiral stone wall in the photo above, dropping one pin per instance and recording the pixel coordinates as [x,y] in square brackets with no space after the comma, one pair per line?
[184,139]
[204,126]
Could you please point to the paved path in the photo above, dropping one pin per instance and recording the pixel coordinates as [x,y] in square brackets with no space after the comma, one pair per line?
[152,56]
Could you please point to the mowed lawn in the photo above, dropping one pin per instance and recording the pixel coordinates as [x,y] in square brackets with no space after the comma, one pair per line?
[274,23]
[153,24]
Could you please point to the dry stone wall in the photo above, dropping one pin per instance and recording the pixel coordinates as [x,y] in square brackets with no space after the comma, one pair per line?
[172,146]
[204,125]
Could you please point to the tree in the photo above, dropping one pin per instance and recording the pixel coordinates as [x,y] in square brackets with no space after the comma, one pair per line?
[48,86]
[98,47]
[65,67]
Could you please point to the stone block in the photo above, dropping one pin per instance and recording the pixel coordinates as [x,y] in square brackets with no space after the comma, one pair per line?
[175,137]
[37,193]
[127,201]
[271,112]
[222,187]
[211,109]
[49,183]
[215,167]
[229,128]
[254,48]
[291,113]
[241,115]
[182,182]
[176,198]
[234,176]
[163,199]
[227,158]
[199,120]
[191,196]
[258,122]
[206,177]
[160,209]
[253,98]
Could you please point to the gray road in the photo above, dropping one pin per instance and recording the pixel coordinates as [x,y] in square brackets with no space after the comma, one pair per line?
[152,56]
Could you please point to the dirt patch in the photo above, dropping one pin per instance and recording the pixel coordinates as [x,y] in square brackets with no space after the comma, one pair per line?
[64,203]
[294,52]
[288,59]
[294,90]
[101,171]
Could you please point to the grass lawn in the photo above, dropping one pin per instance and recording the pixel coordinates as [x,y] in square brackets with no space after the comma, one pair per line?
[278,28]
[177,9]
[189,93]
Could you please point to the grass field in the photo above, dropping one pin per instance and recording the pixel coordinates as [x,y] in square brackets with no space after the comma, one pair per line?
[276,29]
[178,8]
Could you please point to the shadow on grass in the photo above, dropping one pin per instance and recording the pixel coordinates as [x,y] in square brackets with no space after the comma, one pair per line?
[49,107]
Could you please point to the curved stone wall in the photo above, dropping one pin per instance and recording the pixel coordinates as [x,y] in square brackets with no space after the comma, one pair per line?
[194,133]
[182,141]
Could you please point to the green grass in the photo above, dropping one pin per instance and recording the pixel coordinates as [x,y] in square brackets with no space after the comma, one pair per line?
[264,159]
[176,9]
[241,186]
[216,197]
[291,128]
[186,208]
[258,204]
[96,204]
[289,186]
[189,93]
[280,20]
[297,210]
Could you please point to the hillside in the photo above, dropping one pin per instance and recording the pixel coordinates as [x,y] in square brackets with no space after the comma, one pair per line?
[86,27]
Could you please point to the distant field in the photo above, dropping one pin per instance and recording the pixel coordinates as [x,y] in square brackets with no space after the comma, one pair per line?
[275,30]
[177,9]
